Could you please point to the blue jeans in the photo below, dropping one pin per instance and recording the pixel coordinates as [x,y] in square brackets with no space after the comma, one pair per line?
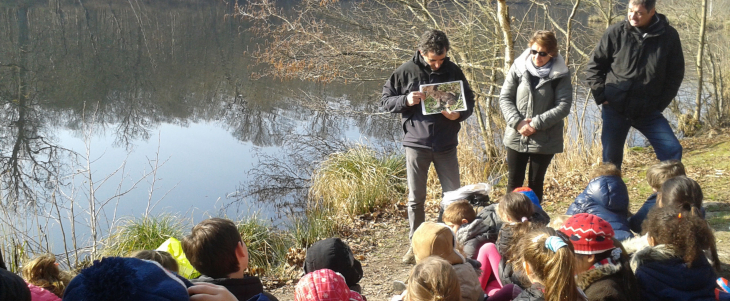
[653,126]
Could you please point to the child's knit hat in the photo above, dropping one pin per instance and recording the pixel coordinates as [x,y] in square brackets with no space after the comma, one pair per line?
[324,285]
[589,234]
[117,279]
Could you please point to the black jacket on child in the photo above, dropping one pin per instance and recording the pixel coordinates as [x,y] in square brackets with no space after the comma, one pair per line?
[664,276]
[243,288]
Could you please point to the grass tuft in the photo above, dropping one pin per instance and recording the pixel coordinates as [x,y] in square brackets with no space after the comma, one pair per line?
[317,224]
[267,246]
[142,234]
[358,181]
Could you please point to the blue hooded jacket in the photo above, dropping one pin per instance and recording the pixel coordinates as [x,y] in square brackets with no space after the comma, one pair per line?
[608,198]
[663,276]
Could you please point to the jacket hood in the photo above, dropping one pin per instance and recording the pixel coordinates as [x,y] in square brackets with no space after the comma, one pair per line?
[635,244]
[588,277]
[336,255]
[560,69]
[471,230]
[655,253]
[662,274]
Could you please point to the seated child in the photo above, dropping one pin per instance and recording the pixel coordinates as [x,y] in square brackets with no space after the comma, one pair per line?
[432,239]
[683,194]
[656,175]
[334,254]
[607,197]
[163,258]
[674,266]
[602,267]
[120,278]
[215,249]
[324,285]
[546,259]
[432,279]
[514,208]
[469,230]
[45,280]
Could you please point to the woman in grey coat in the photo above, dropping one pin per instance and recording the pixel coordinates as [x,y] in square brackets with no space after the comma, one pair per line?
[535,98]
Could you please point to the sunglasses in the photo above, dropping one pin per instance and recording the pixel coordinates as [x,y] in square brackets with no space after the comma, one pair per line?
[540,53]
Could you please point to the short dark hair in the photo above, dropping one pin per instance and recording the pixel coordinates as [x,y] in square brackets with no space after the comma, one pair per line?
[433,41]
[459,210]
[547,39]
[648,4]
[211,247]
[681,193]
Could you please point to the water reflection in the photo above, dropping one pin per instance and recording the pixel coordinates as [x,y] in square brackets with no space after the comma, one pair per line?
[112,75]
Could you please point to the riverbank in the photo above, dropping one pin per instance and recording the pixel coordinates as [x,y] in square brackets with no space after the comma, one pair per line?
[380,239]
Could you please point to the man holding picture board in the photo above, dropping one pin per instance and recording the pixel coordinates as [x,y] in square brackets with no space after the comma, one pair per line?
[428,138]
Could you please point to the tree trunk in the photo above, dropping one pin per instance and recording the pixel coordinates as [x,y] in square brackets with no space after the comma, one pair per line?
[568,33]
[698,99]
[504,22]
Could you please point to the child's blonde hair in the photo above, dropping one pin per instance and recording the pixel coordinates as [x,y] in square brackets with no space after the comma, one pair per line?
[558,221]
[605,169]
[458,211]
[165,259]
[42,271]
[555,269]
[433,279]
[659,173]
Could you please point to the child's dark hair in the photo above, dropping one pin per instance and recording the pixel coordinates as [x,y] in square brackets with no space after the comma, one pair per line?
[165,259]
[554,268]
[606,169]
[516,206]
[459,210]
[686,233]
[659,173]
[42,271]
[681,193]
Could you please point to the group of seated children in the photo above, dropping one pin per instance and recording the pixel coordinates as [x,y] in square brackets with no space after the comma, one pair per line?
[506,251]
[591,254]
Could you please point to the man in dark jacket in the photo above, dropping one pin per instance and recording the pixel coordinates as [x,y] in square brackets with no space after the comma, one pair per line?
[635,72]
[427,138]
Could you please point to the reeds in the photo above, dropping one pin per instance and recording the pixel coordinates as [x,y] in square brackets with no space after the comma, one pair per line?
[358,180]
[142,234]
[267,246]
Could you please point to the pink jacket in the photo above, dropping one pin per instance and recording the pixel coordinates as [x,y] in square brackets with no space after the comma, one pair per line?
[41,294]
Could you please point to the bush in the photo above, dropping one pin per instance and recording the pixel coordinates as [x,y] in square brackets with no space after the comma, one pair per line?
[267,246]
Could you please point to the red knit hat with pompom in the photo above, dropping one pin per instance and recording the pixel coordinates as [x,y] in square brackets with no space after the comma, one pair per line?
[589,233]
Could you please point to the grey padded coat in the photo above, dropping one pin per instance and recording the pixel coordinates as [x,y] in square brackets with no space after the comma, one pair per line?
[547,104]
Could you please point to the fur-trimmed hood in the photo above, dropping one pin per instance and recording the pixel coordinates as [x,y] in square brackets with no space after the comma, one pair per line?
[585,279]
[655,253]
[662,275]
[635,244]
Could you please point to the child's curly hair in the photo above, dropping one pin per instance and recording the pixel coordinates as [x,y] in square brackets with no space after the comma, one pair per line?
[685,232]
[42,271]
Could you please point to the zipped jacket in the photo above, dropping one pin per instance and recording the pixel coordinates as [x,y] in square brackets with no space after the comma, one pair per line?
[434,132]
[637,72]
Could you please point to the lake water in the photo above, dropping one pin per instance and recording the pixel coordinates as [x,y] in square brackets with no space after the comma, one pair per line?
[164,83]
